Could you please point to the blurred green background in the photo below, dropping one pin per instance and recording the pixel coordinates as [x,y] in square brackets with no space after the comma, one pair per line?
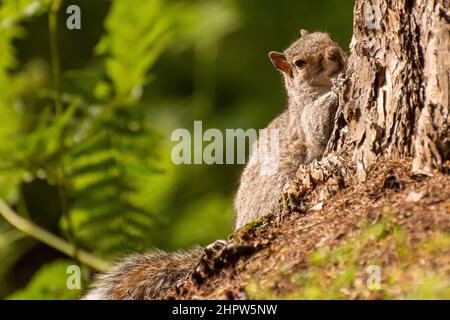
[87,157]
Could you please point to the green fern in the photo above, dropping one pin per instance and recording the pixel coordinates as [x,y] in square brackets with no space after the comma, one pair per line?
[12,13]
[99,150]
[106,174]
[109,170]
[132,45]
[101,141]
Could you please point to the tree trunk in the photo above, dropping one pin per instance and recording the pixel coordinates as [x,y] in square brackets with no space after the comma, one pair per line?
[394,101]
[396,98]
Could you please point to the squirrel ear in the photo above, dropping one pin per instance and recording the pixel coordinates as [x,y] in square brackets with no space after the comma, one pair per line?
[280,62]
[304,32]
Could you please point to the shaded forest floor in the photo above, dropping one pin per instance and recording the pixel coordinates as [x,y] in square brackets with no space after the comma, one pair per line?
[395,225]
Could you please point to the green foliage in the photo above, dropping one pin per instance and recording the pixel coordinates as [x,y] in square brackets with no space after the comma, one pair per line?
[213,213]
[98,172]
[115,156]
[12,12]
[13,245]
[106,175]
[100,152]
[146,30]
[49,283]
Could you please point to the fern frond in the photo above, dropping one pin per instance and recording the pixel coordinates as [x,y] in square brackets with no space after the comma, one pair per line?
[118,151]
[12,13]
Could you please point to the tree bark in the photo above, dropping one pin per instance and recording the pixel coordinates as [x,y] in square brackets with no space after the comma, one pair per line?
[394,101]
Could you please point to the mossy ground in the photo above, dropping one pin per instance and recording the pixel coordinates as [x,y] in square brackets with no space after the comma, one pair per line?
[351,269]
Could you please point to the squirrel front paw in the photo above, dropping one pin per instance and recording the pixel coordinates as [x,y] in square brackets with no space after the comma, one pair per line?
[215,247]
[338,83]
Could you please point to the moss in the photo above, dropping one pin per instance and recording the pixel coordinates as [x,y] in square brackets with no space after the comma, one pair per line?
[436,243]
[320,256]
[343,272]
[256,224]
[256,292]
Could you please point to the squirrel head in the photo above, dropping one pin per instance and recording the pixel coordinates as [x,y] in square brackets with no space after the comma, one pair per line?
[314,59]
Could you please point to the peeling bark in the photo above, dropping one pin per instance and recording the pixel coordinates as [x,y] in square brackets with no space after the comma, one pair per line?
[395,100]
[431,143]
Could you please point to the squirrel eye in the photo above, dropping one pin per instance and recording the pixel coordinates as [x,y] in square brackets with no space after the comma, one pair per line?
[300,63]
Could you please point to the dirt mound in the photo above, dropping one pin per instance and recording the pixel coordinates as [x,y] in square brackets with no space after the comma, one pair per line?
[387,237]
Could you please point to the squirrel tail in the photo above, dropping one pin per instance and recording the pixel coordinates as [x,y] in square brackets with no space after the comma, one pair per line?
[150,275]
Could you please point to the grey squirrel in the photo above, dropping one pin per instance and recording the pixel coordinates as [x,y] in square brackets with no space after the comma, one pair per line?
[309,67]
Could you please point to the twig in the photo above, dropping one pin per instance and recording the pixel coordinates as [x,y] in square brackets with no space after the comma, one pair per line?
[50,239]
[310,225]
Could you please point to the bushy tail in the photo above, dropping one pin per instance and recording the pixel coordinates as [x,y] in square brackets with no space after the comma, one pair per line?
[150,275]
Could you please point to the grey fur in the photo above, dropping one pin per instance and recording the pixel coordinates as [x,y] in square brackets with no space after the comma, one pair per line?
[304,128]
